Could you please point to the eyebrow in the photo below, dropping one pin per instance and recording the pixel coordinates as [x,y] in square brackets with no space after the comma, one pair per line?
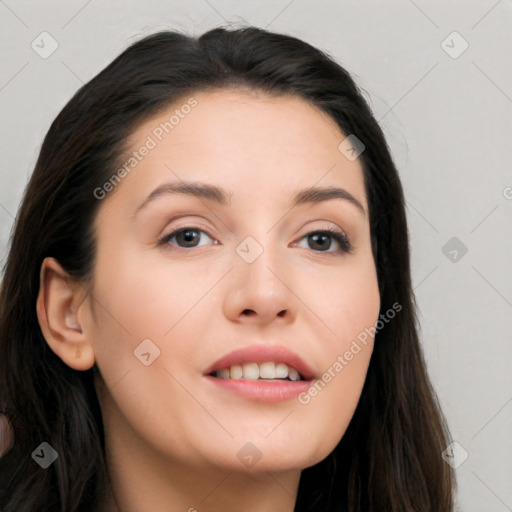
[310,195]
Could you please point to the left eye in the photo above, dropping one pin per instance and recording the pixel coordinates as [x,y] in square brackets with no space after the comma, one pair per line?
[321,241]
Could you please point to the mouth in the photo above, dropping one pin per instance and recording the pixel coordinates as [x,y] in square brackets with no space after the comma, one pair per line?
[266,373]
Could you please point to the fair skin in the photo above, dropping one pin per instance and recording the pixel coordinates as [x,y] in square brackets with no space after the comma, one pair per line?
[173,436]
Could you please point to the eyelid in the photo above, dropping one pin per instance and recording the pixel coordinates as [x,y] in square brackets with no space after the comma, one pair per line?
[190,225]
[330,227]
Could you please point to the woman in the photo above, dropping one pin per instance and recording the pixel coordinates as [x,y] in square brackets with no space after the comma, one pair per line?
[207,303]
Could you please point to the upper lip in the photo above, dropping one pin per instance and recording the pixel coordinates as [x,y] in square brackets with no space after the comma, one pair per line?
[262,354]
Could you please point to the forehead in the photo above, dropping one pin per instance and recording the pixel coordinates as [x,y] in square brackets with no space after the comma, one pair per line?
[240,113]
[243,140]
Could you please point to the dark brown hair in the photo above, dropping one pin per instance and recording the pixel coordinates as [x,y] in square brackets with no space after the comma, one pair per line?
[389,459]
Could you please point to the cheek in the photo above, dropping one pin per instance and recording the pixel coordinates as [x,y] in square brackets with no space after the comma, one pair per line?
[146,298]
[348,302]
[331,400]
[142,337]
[136,301]
[350,310]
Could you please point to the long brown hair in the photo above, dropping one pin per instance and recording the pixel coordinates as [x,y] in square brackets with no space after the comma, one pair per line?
[389,459]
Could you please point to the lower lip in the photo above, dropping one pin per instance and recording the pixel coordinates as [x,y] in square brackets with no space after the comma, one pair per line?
[262,390]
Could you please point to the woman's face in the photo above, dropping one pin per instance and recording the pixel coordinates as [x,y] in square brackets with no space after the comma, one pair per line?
[235,267]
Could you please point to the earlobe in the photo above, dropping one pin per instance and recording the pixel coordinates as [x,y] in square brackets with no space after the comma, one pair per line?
[58,305]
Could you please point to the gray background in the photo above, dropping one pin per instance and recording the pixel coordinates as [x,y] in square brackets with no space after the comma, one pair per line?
[447,116]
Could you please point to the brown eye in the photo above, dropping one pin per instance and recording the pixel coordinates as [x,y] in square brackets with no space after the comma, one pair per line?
[185,238]
[322,241]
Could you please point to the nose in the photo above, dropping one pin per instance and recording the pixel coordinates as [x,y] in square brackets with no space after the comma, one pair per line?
[260,292]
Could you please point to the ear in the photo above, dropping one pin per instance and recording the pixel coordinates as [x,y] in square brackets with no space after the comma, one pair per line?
[58,308]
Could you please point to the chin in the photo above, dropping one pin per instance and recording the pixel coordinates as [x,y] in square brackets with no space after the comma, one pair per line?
[279,456]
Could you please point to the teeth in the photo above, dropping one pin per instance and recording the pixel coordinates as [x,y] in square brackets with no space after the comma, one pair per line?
[224,373]
[281,371]
[250,371]
[267,371]
[255,371]
[293,374]
[235,372]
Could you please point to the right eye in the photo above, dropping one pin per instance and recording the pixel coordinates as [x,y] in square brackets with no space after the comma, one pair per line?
[185,238]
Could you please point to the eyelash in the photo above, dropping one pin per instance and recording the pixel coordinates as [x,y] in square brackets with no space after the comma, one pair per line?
[342,239]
